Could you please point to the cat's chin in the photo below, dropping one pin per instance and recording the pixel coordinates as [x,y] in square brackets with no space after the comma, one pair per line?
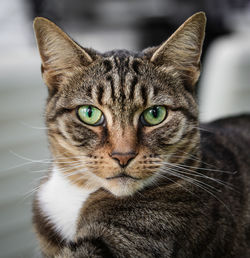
[125,186]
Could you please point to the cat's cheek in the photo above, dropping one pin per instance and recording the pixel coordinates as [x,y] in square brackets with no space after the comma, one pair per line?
[76,135]
[161,139]
[80,133]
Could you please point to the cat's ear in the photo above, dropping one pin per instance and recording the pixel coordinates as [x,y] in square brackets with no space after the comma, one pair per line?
[182,51]
[60,55]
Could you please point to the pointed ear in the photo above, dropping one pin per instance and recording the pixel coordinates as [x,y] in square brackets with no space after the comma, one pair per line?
[182,51]
[60,55]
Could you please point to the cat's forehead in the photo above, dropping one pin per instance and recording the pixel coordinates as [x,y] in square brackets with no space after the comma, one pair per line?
[123,62]
[123,82]
[122,54]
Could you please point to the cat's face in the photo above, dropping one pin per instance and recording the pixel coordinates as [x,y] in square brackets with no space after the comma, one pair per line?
[115,119]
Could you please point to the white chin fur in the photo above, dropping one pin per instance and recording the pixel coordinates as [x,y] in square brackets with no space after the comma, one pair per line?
[127,187]
[61,201]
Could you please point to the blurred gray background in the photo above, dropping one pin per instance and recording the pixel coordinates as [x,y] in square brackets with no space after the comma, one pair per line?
[101,24]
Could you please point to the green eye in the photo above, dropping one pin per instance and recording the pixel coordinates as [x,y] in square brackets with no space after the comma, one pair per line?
[154,115]
[90,115]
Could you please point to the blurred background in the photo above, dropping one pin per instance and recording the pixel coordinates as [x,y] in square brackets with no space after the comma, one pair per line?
[101,24]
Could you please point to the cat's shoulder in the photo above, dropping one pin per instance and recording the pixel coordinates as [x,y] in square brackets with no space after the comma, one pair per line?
[238,120]
[229,125]
[232,134]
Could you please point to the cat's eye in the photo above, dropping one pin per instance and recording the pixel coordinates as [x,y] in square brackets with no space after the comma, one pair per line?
[90,115]
[153,115]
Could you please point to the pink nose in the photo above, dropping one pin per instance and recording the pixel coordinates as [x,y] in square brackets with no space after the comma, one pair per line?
[123,158]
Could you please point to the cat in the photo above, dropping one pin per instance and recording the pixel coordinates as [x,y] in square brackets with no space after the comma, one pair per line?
[134,173]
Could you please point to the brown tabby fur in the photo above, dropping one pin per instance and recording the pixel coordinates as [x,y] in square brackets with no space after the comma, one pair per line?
[190,197]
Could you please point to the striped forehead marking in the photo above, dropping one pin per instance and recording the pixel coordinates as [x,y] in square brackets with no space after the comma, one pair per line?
[122,82]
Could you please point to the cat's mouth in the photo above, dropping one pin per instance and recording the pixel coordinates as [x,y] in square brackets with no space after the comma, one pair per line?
[122,176]
[123,184]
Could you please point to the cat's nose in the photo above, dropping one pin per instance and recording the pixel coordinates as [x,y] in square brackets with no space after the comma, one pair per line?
[123,158]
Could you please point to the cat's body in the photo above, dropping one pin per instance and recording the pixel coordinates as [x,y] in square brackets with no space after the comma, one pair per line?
[167,221]
[142,180]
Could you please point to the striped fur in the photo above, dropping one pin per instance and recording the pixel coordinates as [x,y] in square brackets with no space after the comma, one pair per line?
[122,84]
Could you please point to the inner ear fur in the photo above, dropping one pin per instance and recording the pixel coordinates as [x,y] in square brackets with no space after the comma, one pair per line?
[182,50]
[60,55]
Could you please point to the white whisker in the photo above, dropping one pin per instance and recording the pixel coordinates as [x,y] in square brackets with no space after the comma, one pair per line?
[173,181]
[189,156]
[198,184]
[184,170]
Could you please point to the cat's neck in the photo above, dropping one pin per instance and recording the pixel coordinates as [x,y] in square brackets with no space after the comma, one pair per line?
[61,201]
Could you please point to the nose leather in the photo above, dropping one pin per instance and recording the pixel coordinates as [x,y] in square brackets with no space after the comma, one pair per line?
[123,158]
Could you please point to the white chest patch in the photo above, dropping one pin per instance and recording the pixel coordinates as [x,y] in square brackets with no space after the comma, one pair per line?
[61,202]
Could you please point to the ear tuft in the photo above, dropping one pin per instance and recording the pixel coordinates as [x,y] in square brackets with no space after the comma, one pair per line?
[60,55]
[183,49]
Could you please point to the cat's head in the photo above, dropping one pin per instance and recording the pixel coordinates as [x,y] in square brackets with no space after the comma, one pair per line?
[115,120]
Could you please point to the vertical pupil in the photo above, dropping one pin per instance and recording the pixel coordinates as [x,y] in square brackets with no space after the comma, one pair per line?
[89,111]
[155,112]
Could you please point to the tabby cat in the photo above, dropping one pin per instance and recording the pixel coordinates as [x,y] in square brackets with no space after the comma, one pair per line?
[133,172]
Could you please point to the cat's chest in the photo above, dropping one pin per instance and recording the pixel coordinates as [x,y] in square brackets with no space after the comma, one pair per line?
[61,201]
